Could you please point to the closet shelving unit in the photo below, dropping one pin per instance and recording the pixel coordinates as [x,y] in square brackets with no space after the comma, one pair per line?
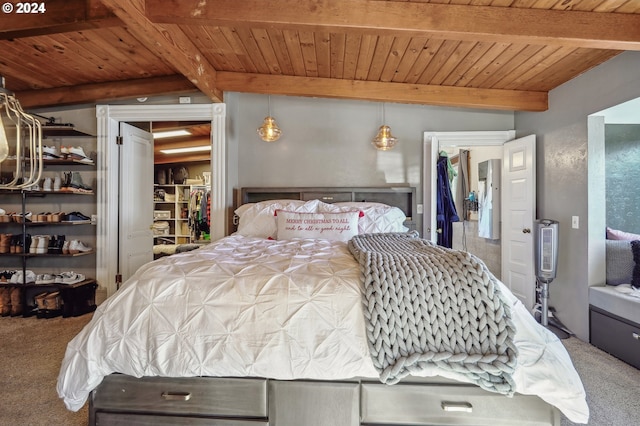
[176,209]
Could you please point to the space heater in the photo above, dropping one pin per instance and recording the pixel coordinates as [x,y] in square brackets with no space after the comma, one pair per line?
[546,239]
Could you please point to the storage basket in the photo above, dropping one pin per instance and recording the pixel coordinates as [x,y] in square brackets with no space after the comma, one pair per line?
[162,214]
[161,228]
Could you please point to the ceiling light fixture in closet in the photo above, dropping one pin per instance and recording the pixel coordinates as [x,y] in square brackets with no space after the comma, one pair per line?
[384,140]
[269,131]
[186,150]
[171,133]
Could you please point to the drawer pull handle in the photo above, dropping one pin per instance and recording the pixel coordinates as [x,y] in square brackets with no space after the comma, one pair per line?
[464,407]
[636,336]
[176,396]
[327,198]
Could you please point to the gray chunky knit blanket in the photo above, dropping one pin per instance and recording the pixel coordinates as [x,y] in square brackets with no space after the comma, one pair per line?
[427,306]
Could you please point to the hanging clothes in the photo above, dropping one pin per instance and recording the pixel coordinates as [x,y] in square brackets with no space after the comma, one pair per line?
[446,212]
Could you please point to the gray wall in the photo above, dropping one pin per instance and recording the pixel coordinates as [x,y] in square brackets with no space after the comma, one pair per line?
[327,142]
[563,177]
[622,171]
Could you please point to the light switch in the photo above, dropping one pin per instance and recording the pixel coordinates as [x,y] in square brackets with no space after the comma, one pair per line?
[575,222]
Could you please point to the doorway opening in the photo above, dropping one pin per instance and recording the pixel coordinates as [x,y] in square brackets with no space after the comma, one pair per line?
[109,119]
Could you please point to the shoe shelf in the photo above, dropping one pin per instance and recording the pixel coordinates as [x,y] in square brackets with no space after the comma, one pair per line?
[70,299]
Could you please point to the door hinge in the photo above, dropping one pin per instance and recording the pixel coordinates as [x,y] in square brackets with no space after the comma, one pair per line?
[118,140]
[118,281]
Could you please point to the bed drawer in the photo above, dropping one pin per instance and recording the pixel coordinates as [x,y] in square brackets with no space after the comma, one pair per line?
[196,396]
[451,405]
[615,335]
[311,403]
[116,419]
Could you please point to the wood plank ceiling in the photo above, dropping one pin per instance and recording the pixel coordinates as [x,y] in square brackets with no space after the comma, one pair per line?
[495,54]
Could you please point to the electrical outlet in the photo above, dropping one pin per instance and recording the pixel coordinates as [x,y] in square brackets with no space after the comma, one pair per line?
[419,208]
[575,222]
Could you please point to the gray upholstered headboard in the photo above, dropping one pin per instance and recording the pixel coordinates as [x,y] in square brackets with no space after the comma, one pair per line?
[403,197]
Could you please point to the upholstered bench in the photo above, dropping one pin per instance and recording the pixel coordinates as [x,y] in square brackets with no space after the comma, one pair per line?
[614,316]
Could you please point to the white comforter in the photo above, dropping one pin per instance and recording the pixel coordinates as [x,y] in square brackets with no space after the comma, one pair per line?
[277,309]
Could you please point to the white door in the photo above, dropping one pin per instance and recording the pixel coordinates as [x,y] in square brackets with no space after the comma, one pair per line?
[518,217]
[136,200]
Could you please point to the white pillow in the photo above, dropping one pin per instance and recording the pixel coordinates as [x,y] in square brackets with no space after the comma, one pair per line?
[376,217]
[327,226]
[258,219]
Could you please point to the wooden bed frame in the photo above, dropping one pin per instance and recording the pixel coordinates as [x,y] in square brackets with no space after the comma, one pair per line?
[253,401]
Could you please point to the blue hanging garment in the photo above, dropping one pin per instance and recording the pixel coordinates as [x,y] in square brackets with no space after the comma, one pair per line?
[446,212]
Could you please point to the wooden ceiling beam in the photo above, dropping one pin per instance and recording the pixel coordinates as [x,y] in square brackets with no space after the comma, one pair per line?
[512,100]
[99,92]
[170,43]
[616,31]
[58,16]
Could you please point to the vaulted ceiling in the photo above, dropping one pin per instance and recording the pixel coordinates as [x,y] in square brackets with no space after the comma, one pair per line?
[495,54]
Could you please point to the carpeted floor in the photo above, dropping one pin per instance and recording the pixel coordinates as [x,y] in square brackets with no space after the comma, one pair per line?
[32,349]
[612,386]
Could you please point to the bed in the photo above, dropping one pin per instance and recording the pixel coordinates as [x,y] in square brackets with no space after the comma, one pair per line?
[269,326]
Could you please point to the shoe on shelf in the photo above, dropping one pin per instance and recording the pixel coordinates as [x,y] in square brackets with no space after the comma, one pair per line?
[44,279]
[20,278]
[69,277]
[5,301]
[35,241]
[47,184]
[15,294]
[22,217]
[77,246]
[50,153]
[5,276]
[57,183]
[43,244]
[77,154]
[77,217]
[77,185]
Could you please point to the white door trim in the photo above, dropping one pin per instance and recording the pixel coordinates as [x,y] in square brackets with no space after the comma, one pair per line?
[108,122]
[432,142]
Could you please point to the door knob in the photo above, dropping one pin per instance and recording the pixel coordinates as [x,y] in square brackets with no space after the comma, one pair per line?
[526,231]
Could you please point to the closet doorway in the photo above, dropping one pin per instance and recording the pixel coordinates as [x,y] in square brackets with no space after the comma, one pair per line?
[109,118]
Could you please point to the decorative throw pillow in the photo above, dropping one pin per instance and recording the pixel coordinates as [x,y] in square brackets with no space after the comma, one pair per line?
[619,262]
[258,220]
[328,226]
[635,280]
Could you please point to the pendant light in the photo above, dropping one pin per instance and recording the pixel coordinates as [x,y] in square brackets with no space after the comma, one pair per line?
[384,140]
[269,131]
